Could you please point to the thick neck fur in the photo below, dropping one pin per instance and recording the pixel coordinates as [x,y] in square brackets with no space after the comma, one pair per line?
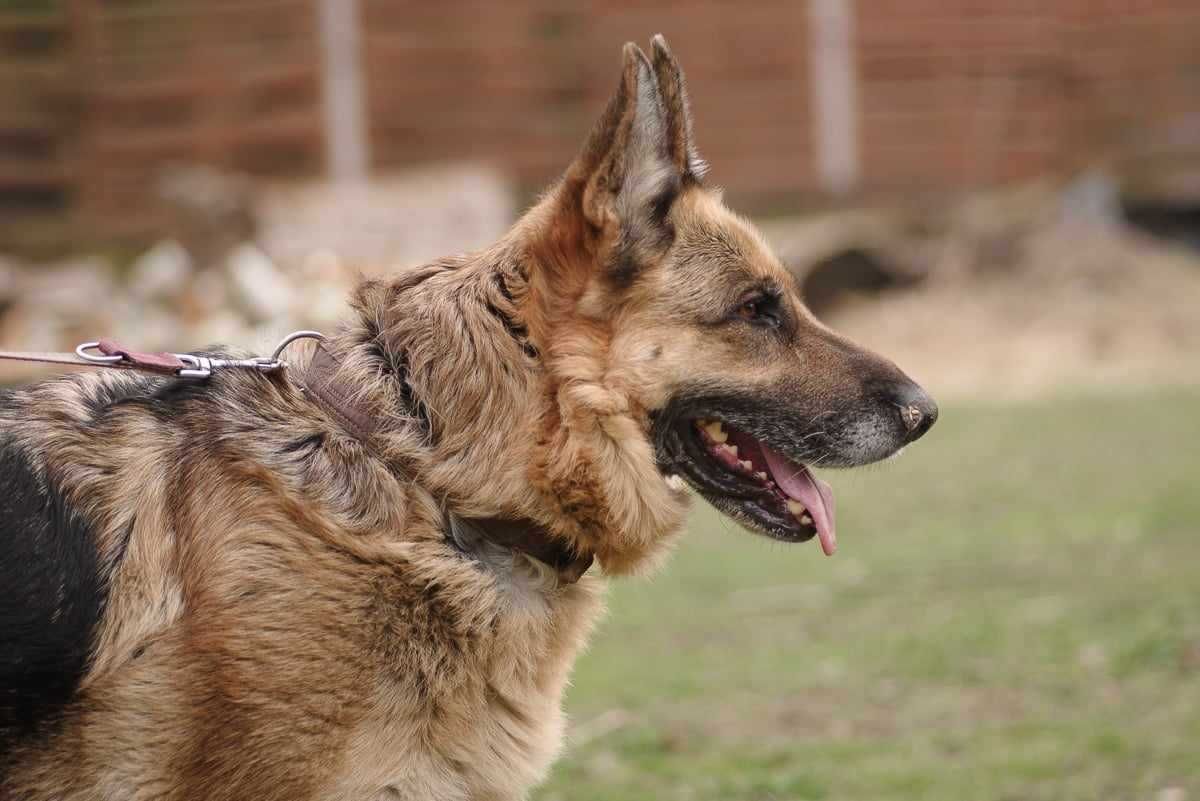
[498,391]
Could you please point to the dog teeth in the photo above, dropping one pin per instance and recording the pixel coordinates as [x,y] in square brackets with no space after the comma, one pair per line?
[747,466]
[761,476]
[731,450]
[797,509]
[715,431]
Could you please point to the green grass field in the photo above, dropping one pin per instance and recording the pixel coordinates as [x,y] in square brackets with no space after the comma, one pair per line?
[1014,613]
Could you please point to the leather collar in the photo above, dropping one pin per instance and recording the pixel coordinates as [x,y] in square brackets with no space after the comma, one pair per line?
[523,536]
[321,384]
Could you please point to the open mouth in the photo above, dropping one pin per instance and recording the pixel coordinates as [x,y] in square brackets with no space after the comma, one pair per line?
[746,478]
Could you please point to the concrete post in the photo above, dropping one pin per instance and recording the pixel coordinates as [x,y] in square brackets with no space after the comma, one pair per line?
[345,114]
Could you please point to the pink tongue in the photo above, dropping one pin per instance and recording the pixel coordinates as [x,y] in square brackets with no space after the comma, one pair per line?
[800,485]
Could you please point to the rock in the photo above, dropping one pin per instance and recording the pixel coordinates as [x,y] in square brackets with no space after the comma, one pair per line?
[403,219]
[162,271]
[850,272]
[210,296]
[258,287]
[77,285]
[148,326]
[323,283]
[222,329]
[1094,198]
[210,212]
[840,254]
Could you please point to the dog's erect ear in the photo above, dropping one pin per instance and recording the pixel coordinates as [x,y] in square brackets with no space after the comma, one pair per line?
[673,91]
[638,158]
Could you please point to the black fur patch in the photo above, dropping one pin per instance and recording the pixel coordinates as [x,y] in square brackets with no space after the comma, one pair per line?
[52,596]
[514,329]
[305,445]
[660,206]
[502,285]
[648,238]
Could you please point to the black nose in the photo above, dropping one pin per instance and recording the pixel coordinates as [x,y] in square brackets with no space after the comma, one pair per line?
[918,412]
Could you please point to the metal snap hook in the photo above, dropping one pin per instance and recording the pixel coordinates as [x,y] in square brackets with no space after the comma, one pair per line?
[194,366]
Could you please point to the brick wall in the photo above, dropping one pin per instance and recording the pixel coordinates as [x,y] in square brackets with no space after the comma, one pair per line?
[521,83]
[950,93]
[967,92]
[231,83]
[37,122]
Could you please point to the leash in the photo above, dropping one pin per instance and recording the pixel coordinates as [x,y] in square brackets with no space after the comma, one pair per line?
[111,354]
[322,386]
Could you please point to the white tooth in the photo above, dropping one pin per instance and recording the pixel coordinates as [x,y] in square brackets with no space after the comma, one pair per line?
[730,449]
[761,476]
[747,465]
[796,508]
[806,520]
[715,431]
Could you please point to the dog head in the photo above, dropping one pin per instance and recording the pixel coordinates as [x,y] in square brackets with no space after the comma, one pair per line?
[661,345]
[679,350]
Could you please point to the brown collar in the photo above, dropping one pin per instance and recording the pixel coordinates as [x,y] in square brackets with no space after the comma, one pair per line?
[523,536]
[321,384]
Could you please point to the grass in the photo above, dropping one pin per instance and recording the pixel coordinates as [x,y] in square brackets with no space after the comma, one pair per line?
[1014,614]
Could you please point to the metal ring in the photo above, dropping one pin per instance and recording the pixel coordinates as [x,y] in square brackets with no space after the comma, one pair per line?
[292,337]
[82,352]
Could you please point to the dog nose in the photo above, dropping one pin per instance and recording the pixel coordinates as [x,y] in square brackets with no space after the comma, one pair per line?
[918,412]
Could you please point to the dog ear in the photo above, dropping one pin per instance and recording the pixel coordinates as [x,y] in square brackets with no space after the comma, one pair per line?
[637,160]
[673,90]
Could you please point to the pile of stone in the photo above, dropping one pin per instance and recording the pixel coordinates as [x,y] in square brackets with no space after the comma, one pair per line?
[243,264]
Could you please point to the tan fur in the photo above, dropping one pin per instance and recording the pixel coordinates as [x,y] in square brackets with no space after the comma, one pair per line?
[288,620]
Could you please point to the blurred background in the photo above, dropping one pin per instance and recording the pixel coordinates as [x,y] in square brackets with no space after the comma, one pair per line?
[1002,196]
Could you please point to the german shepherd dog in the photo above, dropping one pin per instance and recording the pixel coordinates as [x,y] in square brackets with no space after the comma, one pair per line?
[367,578]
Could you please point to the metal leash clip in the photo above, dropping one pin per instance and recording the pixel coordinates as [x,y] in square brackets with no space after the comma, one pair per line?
[186,365]
[203,366]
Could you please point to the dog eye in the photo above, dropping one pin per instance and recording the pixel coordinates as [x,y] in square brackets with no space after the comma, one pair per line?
[759,309]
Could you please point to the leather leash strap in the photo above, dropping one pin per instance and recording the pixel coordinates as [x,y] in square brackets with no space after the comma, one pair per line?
[46,357]
[114,355]
[523,536]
